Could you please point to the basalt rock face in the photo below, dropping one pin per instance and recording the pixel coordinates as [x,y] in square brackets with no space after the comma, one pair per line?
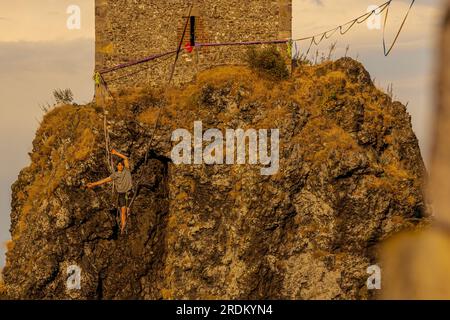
[350,175]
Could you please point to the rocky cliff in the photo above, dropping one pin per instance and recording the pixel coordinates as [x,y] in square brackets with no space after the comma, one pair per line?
[350,175]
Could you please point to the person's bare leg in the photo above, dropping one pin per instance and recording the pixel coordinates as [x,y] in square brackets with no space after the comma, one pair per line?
[123,217]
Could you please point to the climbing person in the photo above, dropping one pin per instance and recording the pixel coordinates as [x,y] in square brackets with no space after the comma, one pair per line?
[123,184]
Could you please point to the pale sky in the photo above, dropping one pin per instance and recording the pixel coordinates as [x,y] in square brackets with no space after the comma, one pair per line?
[38,54]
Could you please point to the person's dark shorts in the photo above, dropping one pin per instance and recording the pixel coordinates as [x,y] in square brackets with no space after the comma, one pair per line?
[124,199]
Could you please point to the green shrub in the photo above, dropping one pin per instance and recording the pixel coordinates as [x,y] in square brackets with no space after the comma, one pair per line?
[63,96]
[268,61]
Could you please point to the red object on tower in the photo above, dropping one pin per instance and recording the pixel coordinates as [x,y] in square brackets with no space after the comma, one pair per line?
[188,47]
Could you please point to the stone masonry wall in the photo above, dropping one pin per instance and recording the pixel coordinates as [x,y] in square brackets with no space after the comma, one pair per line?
[128,30]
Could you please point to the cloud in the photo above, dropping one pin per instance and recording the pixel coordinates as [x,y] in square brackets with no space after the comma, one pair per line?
[318,2]
[44,20]
[424,19]
[47,56]
[315,2]
[321,3]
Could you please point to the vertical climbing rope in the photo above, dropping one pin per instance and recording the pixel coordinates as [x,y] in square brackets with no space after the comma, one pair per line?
[181,43]
[100,85]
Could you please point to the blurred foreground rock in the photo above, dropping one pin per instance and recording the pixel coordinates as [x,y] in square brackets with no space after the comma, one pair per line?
[417,265]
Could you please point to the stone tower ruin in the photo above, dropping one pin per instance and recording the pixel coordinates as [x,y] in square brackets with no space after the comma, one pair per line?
[129,30]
